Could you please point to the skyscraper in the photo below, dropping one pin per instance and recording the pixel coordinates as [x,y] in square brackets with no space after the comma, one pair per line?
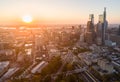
[91,18]
[90,23]
[102,27]
[99,30]
[101,18]
[90,34]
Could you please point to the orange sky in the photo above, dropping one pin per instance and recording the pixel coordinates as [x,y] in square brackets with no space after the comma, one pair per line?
[58,11]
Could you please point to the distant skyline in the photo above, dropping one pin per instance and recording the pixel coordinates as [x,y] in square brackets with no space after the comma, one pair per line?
[58,11]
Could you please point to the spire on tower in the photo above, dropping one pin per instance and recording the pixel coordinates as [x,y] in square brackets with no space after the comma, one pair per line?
[104,13]
[105,9]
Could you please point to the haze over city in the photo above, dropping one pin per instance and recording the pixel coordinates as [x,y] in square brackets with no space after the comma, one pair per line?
[57,11]
[59,41]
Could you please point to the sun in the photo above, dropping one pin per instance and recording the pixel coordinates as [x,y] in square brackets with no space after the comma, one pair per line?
[27,19]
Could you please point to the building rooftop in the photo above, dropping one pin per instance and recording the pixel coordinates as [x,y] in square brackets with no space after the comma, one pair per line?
[3,65]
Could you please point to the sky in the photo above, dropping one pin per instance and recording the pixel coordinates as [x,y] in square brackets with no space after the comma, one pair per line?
[58,11]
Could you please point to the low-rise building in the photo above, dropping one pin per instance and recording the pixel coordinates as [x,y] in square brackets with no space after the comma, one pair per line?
[4,67]
[105,65]
[110,43]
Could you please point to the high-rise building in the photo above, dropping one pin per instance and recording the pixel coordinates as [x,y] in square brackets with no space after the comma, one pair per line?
[91,18]
[90,23]
[101,28]
[104,28]
[89,26]
[90,34]
[101,18]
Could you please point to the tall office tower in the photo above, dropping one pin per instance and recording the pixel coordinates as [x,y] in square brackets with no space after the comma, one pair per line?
[89,26]
[91,18]
[90,23]
[104,28]
[90,34]
[99,28]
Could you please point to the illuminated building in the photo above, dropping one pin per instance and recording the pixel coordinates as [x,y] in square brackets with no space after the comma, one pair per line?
[101,28]
[90,34]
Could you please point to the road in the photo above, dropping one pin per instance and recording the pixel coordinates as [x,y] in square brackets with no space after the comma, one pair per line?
[89,76]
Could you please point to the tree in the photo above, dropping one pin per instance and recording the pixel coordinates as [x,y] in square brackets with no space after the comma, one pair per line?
[47,79]
[52,67]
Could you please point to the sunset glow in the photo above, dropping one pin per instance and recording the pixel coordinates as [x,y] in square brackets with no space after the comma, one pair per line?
[58,11]
[27,19]
[59,40]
